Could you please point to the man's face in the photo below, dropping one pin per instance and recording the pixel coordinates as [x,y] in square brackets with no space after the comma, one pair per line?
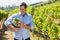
[22,9]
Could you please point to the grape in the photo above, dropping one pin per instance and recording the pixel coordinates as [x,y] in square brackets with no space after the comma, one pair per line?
[16,21]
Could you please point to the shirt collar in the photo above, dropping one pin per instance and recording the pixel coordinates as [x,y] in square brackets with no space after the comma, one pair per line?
[21,14]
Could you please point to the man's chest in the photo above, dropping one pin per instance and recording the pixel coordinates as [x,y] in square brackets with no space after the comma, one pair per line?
[25,20]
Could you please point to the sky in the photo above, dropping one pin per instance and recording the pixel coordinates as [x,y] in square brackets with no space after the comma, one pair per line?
[5,3]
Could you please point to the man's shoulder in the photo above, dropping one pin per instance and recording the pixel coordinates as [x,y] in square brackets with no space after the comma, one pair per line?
[29,15]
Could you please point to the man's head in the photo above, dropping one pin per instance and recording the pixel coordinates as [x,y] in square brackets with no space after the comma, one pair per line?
[23,7]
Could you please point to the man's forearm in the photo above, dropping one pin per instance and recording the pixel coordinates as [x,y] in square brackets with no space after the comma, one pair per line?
[22,25]
[28,27]
[13,28]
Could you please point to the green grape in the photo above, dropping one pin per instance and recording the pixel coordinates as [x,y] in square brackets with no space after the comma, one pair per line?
[16,21]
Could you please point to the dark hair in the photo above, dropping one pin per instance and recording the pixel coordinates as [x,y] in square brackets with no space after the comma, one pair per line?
[23,4]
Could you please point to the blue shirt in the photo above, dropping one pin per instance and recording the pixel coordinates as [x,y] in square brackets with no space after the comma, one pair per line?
[22,33]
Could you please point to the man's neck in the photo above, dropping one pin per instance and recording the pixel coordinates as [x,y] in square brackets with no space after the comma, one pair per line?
[23,14]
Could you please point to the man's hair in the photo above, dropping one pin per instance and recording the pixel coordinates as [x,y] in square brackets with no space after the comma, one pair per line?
[23,4]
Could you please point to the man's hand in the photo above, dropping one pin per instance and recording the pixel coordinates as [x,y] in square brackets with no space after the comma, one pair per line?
[21,24]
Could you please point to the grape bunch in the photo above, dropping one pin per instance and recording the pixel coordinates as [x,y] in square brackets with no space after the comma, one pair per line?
[15,22]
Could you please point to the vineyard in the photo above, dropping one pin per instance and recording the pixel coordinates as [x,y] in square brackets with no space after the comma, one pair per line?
[46,19]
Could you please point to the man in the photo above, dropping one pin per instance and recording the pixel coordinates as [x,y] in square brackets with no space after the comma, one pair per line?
[21,33]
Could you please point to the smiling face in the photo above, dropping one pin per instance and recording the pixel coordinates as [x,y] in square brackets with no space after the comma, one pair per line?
[22,10]
[23,7]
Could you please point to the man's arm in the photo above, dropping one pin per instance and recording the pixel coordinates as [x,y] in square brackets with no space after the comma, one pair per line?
[30,26]
[8,23]
[21,25]
[27,26]
[13,28]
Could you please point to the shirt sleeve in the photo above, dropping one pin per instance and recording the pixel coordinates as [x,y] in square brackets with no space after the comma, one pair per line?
[31,23]
[7,22]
